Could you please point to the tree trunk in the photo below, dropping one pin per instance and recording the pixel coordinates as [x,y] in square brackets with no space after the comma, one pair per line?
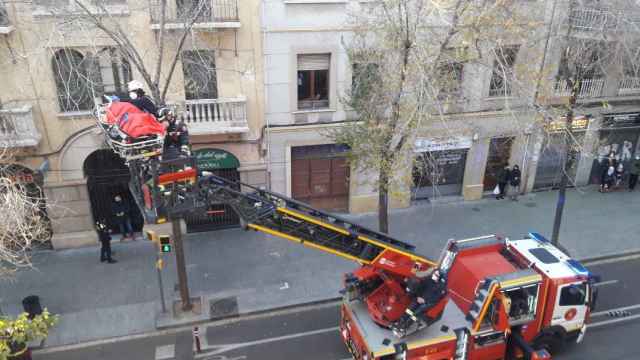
[181,266]
[383,202]
[568,164]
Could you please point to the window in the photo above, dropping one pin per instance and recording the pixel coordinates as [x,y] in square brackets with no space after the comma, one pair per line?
[115,73]
[450,77]
[73,83]
[187,9]
[523,302]
[199,69]
[500,84]
[80,78]
[4,16]
[574,294]
[313,81]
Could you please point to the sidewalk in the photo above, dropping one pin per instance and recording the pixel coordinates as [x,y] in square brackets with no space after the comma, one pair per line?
[257,272]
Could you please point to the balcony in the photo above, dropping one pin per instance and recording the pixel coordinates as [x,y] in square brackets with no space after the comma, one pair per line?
[629,86]
[17,128]
[5,24]
[603,19]
[589,88]
[214,14]
[216,116]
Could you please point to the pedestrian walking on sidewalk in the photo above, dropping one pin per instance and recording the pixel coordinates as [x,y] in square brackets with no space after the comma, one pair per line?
[120,210]
[105,242]
[514,183]
[504,176]
[634,171]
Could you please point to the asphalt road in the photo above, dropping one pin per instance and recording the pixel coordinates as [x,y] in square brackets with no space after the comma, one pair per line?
[311,333]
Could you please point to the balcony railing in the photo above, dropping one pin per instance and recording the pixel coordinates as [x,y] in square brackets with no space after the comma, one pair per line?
[216,116]
[589,88]
[629,86]
[603,19]
[211,14]
[17,128]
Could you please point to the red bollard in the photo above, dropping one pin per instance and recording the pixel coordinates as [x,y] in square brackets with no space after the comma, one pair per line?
[196,339]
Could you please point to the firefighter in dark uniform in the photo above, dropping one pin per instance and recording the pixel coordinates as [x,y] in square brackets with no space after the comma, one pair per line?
[426,293]
[176,141]
[139,98]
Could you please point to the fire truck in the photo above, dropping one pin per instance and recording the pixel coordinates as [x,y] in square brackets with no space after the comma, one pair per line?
[486,298]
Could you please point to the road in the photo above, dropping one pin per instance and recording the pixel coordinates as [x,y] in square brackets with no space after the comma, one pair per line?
[310,333]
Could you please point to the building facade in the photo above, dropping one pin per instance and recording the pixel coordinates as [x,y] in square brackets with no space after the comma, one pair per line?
[56,64]
[489,124]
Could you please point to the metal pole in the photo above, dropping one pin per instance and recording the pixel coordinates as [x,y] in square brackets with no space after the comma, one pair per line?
[180,263]
[159,269]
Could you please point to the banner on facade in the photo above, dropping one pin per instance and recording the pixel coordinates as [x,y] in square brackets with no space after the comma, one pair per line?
[451,143]
[579,123]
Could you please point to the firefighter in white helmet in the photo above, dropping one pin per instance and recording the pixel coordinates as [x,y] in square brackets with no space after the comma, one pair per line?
[138,98]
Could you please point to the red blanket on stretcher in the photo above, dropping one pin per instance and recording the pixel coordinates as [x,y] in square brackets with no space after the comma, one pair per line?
[133,121]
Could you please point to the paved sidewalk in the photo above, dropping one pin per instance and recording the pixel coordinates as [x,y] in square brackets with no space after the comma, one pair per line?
[256,272]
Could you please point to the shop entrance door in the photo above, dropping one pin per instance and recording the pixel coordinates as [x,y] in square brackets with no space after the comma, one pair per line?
[499,154]
[438,173]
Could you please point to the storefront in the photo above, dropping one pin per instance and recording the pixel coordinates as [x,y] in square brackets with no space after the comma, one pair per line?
[498,158]
[552,152]
[219,216]
[439,167]
[619,140]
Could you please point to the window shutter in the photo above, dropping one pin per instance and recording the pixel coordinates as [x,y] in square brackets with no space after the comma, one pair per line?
[314,62]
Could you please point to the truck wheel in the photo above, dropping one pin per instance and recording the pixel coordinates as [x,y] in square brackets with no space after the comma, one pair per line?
[551,342]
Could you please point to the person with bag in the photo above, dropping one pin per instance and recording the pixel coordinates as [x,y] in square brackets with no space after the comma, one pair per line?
[514,183]
[504,176]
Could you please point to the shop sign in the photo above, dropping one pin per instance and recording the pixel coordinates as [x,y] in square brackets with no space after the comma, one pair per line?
[213,159]
[621,120]
[428,145]
[579,123]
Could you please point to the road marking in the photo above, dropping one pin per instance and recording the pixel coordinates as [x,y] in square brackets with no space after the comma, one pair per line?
[285,286]
[613,321]
[625,308]
[603,283]
[219,349]
[166,352]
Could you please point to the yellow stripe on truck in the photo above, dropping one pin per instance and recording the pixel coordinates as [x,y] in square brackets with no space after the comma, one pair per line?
[313,221]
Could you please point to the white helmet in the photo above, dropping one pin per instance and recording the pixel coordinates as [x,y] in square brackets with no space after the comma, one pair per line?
[135,85]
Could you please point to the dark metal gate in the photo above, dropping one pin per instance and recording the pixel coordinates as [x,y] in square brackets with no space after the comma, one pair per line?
[108,176]
[499,154]
[219,216]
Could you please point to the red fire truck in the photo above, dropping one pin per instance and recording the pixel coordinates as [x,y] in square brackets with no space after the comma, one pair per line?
[486,298]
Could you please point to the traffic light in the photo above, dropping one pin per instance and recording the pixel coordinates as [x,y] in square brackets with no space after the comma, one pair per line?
[165,243]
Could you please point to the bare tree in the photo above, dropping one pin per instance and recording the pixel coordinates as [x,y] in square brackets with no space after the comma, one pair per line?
[23,224]
[407,57]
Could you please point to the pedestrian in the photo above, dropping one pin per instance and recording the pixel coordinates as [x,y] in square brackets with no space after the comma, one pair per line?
[607,179]
[619,175]
[105,242]
[503,179]
[514,183]
[120,211]
[634,171]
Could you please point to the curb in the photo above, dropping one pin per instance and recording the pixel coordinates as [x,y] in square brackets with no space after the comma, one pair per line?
[616,256]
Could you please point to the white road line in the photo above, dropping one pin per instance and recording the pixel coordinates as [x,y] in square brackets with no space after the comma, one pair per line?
[613,321]
[219,349]
[612,260]
[605,312]
[608,282]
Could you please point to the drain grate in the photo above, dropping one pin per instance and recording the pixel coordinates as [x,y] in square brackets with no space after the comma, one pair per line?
[530,204]
[224,307]
[475,209]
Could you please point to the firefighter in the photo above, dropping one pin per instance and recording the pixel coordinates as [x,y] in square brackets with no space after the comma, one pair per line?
[105,242]
[176,141]
[426,293]
[140,99]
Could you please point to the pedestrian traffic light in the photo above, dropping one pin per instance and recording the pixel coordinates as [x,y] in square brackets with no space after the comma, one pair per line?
[165,243]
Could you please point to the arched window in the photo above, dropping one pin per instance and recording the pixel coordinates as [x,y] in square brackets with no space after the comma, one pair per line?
[81,78]
[73,83]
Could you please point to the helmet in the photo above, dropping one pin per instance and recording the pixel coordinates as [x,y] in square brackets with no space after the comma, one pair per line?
[135,85]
